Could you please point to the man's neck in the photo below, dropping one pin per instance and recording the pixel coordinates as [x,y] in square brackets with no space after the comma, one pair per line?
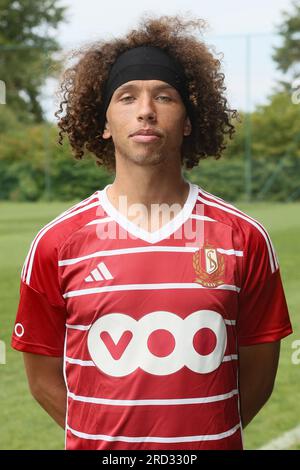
[148,186]
[149,189]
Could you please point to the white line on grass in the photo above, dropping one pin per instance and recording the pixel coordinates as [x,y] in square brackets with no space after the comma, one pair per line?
[285,441]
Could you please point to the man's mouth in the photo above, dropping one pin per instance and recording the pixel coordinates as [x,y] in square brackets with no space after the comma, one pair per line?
[145,138]
[145,135]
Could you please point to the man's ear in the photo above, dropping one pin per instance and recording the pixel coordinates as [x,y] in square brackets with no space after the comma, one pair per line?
[187,127]
[106,134]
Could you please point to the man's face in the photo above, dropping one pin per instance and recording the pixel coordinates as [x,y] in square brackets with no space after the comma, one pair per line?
[150,106]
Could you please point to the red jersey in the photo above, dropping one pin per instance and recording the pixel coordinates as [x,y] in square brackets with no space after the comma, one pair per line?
[149,323]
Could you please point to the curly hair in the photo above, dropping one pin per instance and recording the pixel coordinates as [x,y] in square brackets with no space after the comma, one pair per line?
[82,89]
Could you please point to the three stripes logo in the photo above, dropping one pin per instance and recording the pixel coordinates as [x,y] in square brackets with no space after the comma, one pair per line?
[100,273]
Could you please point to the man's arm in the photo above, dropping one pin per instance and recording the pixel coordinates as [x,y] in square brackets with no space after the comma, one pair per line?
[47,385]
[257,371]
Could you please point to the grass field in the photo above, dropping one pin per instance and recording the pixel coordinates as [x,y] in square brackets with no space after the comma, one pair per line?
[23,425]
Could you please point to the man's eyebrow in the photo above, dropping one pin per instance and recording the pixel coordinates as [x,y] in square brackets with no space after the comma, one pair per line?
[164,87]
[129,86]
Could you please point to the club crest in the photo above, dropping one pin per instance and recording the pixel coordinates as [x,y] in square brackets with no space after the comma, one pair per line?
[209,266]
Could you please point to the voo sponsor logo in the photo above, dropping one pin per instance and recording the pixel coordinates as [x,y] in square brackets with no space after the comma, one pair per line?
[160,343]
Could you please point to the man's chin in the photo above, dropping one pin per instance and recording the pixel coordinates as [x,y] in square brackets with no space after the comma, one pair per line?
[147,159]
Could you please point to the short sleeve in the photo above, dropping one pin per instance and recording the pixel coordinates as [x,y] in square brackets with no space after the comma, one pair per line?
[41,316]
[263,313]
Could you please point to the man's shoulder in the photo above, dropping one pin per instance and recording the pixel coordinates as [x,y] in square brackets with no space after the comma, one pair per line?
[58,230]
[45,246]
[228,213]
[250,234]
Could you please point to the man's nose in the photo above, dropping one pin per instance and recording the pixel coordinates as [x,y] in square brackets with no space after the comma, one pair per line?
[146,109]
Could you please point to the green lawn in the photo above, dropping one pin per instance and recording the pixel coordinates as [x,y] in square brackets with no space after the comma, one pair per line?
[23,425]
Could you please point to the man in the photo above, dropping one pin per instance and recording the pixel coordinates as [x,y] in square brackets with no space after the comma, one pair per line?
[151,313]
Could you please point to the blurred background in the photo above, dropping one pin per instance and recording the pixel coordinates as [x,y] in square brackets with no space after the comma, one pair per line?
[259,46]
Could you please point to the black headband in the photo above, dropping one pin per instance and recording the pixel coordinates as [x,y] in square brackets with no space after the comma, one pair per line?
[146,63]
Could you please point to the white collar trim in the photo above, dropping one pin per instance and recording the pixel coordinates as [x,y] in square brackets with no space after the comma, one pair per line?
[165,231]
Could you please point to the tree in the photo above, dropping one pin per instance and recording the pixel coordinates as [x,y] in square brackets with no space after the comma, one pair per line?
[276,128]
[27,46]
[287,56]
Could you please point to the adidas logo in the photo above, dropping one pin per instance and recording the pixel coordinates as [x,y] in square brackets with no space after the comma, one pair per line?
[99,274]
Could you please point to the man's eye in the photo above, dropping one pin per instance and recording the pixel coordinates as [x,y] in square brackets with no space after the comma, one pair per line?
[164,98]
[129,97]
[126,98]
